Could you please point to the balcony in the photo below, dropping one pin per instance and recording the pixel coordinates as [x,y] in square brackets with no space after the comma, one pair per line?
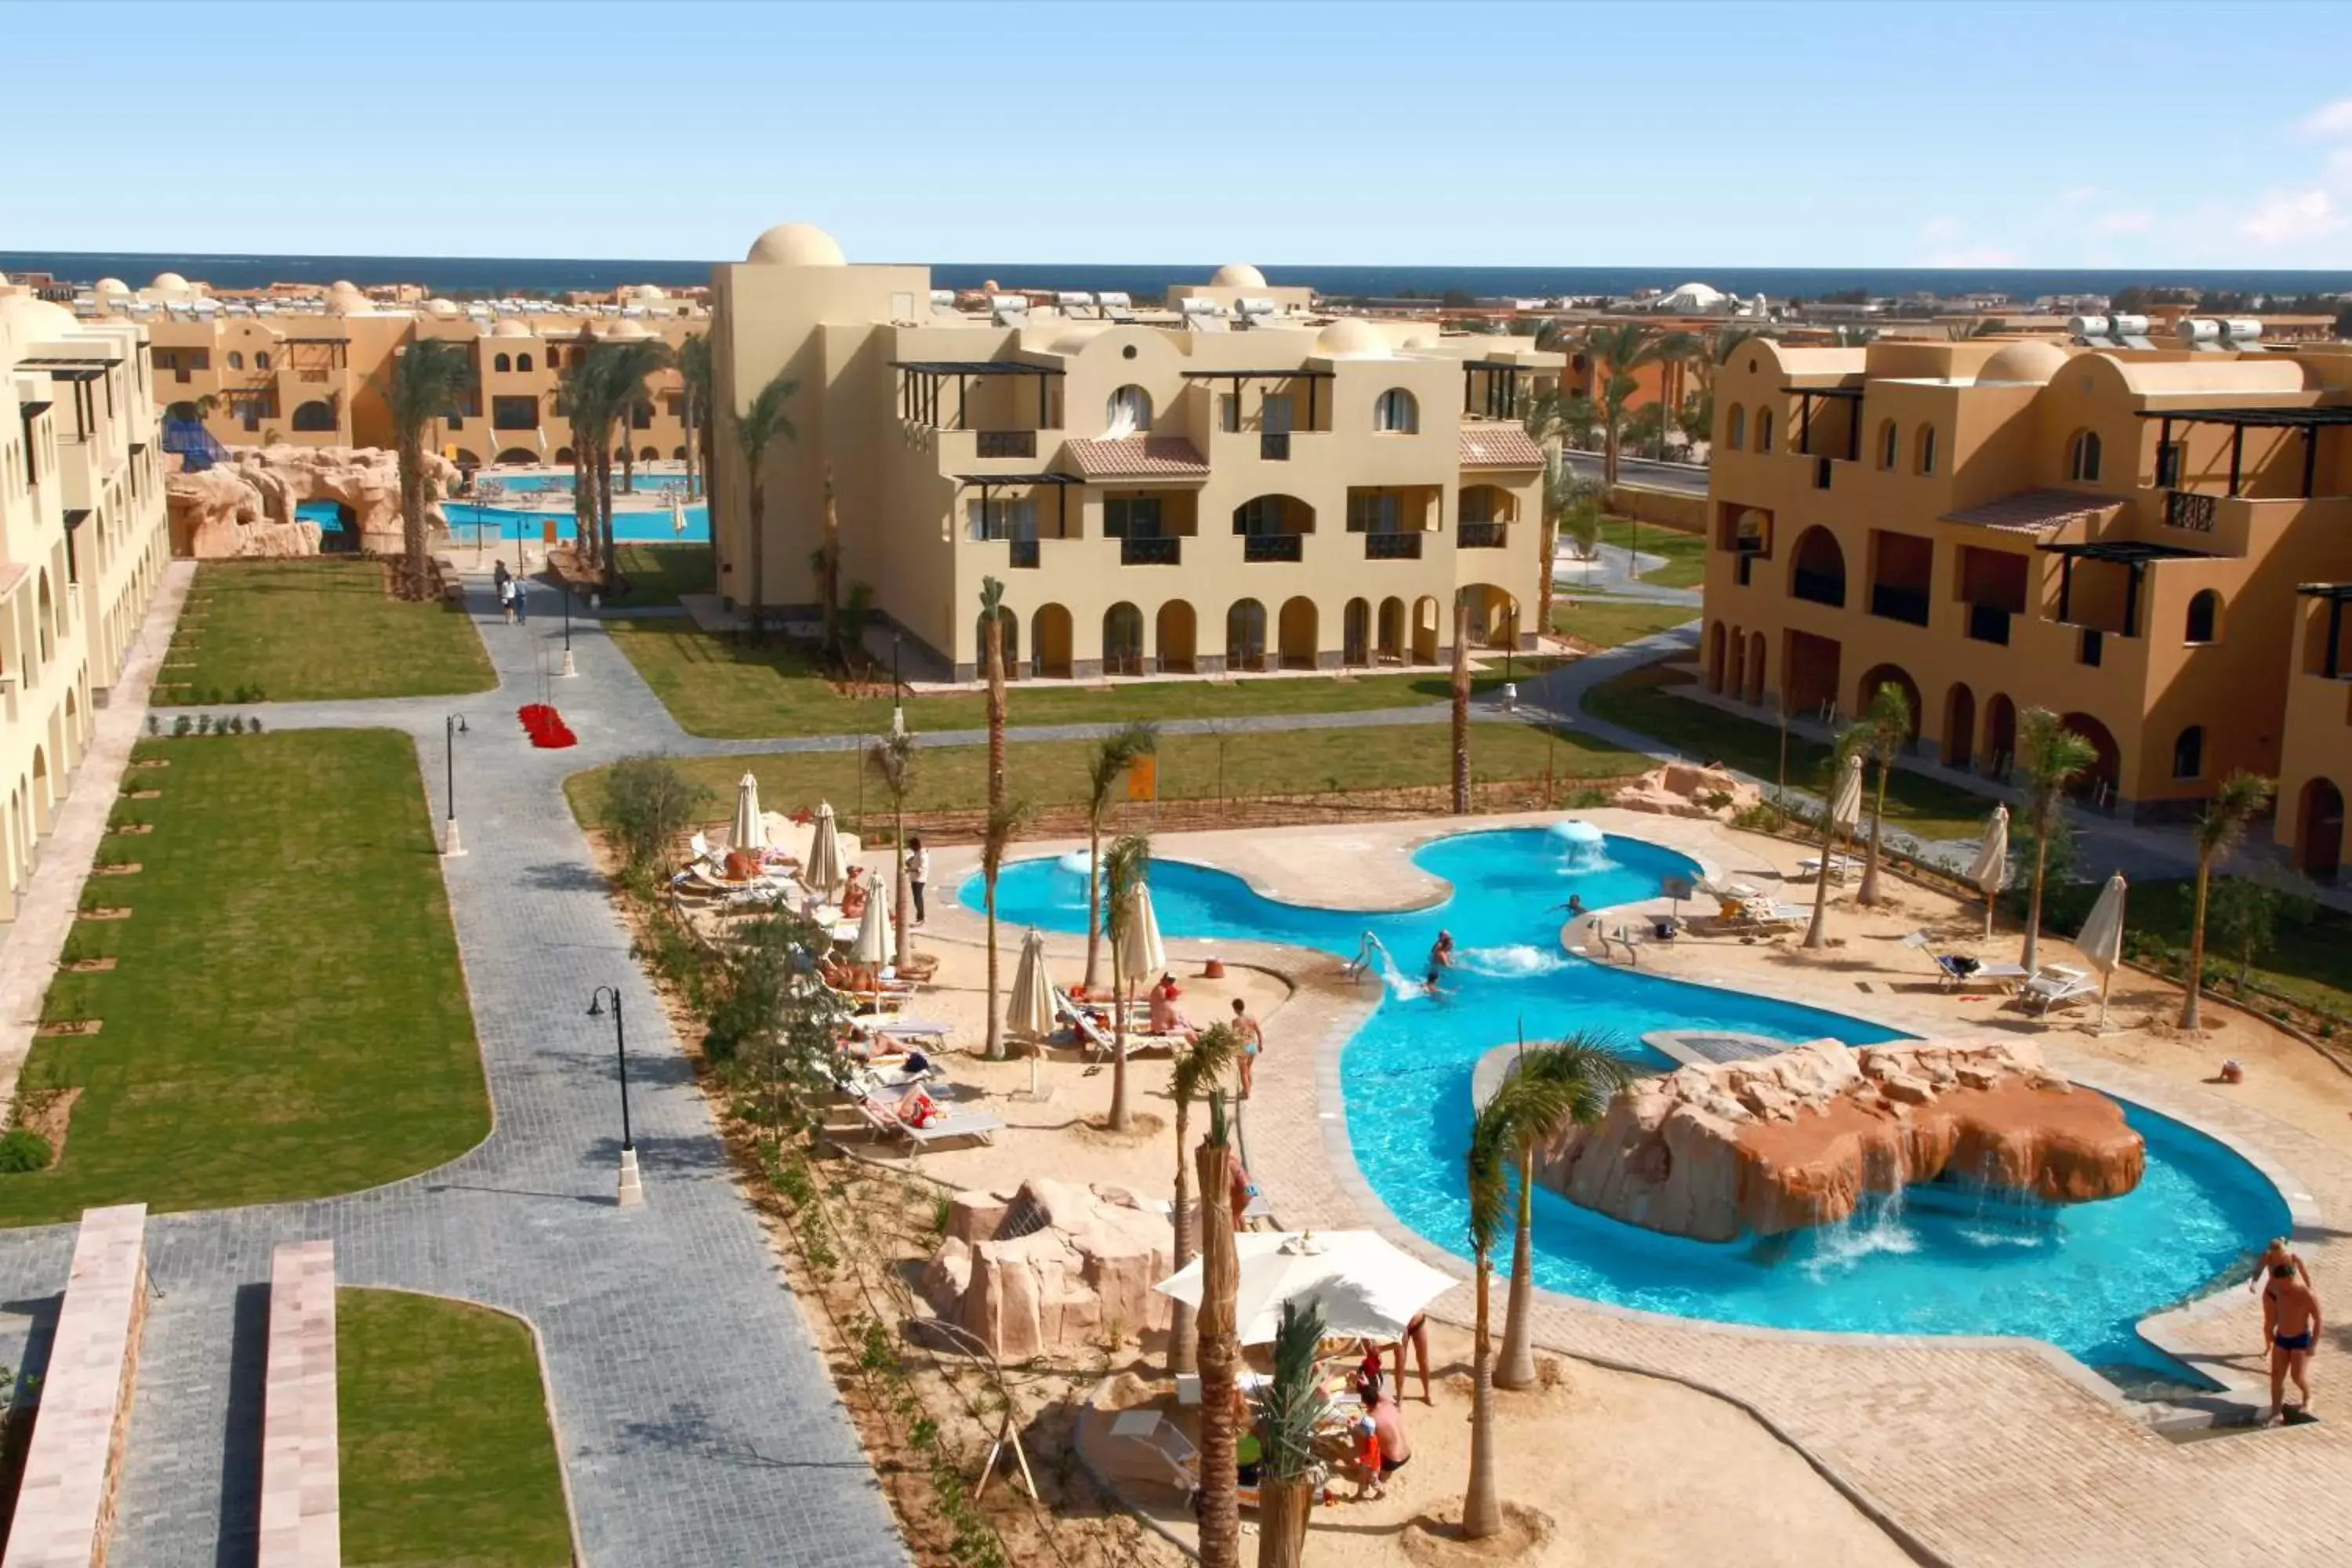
[2191,510]
[1818,587]
[1158,552]
[1482,536]
[1393,547]
[1892,603]
[1274,446]
[1005,444]
[1269,547]
[1025,554]
[1989,623]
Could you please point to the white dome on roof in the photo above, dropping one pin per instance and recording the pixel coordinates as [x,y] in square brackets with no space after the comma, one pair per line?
[796,244]
[511,329]
[34,317]
[112,286]
[647,293]
[169,283]
[627,330]
[1237,275]
[1690,297]
[1349,336]
[443,308]
[2031,361]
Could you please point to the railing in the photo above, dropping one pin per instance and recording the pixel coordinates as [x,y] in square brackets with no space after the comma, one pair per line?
[1005,443]
[1272,546]
[1025,552]
[1274,446]
[1893,602]
[1818,587]
[1393,547]
[1480,536]
[1989,623]
[1166,551]
[2190,509]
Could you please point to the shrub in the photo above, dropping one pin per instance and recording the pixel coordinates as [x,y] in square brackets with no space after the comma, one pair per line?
[204,723]
[182,724]
[253,726]
[154,724]
[22,1150]
[648,803]
[213,695]
[237,724]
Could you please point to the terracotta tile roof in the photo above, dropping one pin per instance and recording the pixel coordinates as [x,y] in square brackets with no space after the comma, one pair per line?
[1171,456]
[1499,446]
[2034,510]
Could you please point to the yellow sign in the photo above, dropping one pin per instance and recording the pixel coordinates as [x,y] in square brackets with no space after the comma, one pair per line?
[450,451]
[1143,779]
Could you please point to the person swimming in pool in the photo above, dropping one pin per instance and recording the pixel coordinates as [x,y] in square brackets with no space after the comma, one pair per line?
[2291,1323]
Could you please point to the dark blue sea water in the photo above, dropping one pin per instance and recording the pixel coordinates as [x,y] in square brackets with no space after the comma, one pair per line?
[528,276]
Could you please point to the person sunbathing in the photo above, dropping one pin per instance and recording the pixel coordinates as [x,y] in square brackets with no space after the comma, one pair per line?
[917,1109]
[1165,1019]
[853,896]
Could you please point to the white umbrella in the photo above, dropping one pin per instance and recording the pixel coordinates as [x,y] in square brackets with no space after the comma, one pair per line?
[1369,1288]
[1142,954]
[1989,870]
[1029,1009]
[872,948]
[1846,802]
[821,875]
[677,517]
[750,831]
[2101,941]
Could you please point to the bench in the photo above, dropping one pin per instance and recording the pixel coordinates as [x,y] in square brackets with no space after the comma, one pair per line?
[302,1503]
[65,1510]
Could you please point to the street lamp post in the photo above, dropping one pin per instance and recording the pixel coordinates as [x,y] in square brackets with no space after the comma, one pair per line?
[568,670]
[898,688]
[632,1190]
[451,728]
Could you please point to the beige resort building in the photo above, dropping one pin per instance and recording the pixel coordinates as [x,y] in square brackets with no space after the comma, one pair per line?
[1234,484]
[82,547]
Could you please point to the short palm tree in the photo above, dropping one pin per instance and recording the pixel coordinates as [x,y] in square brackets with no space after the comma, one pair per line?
[428,377]
[1124,872]
[1587,1071]
[1461,703]
[1114,754]
[1004,822]
[2053,756]
[1618,351]
[758,428]
[1572,506]
[696,376]
[2237,801]
[892,760]
[1288,1409]
[1849,742]
[1218,1503]
[1886,730]
[1199,1066]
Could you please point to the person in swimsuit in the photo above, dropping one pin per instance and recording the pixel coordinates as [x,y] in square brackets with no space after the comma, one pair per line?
[2276,1252]
[1253,1042]
[2291,1322]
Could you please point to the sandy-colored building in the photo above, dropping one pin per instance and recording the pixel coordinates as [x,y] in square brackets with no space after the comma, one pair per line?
[82,546]
[1241,492]
[2120,537]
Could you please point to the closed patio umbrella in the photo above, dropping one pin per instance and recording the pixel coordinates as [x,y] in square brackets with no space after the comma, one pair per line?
[1990,870]
[1845,801]
[751,830]
[1367,1286]
[1142,954]
[2101,941]
[872,948]
[1029,1008]
[821,875]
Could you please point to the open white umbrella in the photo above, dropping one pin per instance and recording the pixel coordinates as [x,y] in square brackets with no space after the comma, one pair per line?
[1368,1287]
[821,875]
[1989,870]
[751,830]
[2101,941]
[872,948]
[1029,1008]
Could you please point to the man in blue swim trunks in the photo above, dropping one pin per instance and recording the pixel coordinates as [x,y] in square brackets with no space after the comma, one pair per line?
[2291,1322]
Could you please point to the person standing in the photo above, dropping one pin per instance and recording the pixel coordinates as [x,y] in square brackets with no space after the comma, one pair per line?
[918,872]
[2291,1325]
[522,601]
[1253,1042]
[506,595]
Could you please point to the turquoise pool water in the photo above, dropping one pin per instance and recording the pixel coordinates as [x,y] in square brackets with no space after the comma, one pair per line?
[646,481]
[467,520]
[1944,1259]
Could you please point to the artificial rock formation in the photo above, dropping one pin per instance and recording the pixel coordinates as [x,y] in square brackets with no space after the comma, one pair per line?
[1043,1271]
[1784,1141]
[1681,789]
[246,507]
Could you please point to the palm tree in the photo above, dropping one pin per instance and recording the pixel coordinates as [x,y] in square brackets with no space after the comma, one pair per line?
[826,560]
[624,369]
[1849,741]
[1005,820]
[1571,504]
[2053,756]
[428,377]
[892,758]
[1678,349]
[1495,1136]
[2238,800]
[1114,754]
[1218,1505]
[755,429]
[1288,1410]
[1461,703]
[1618,351]
[573,393]
[1886,728]
[1587,1071]
[1124,870]
[695,375]
[992,612]
[1199,1066]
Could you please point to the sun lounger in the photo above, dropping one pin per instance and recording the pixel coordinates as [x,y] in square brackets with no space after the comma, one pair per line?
[885,1121]
[1957,971]
[2058,985]
[1840,866]
[1148,1444]
[1091,1035]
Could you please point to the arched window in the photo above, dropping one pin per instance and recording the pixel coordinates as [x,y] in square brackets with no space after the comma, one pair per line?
[1890,439]
[1926,449]
[502,363]
[562,453]
[261,359]
[2204,618]
[1131,406]
[2082,456]
[1735,427]
[1396,413]
[2188,753]
[522,362]
[235,360]
[1763,429]
[314,416]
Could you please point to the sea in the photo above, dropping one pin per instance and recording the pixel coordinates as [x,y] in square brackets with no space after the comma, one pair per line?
[541,277]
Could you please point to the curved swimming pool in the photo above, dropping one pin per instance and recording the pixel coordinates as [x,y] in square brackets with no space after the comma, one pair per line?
[1940,1260]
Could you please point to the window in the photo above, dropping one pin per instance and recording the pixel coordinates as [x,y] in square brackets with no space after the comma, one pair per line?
[261,359]
[1003,519]
[2204,618]
[1926,462]
[1229,413]
[1889,440]
[502,363]
[2082,457]
[1261,515]
[1375,511]
[235,360]
[522,362]
[1396,413]
[1131,406]
[2188,753]
[1735,428]
[514,412]
[1132,517]
[1763,429]
[314,416]
[555,359]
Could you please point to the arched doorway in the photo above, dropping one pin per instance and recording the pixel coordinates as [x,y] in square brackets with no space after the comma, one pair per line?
[1424,630]
[1008,628]
[1817,568]
[1391,644]
[1494,617]
[522,455]
[1049,635]
[1715,657]
[1356,632]
[315,417]
[1736,676]
[42,800]
[1296,628]
[1755,692]
[2320,831]
[45,621]
[2000,736]
[1176,637]
[73,730]
[2096,783]
[1894,675]
[1245,636]
[1122,640]
[1959,726]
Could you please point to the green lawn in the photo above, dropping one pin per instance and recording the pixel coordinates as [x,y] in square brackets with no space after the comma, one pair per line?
[1639,700]
[287,1017]
[2310,961]
[446,1453]
[311,630]
[1051,773]
[1685,554]
[1600,621]
[658,573]
[731,690]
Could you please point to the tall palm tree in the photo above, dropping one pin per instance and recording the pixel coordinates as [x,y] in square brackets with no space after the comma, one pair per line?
[695,377]
[757,427]
[1618,352]
[1680,349]
[1587,1072]
[1571,505]
[1461,703]
[624,369]
[1005,820]
[826,562]
[573,393]
[892,759]
[1886,728]
[1124,870]
[1851,740]
[1218,1504]
[1114,755]
[2053,756]
[427,377]
[991,613]
[2237,801]
[1495,1136]
[1199,1066]
[1289,1408]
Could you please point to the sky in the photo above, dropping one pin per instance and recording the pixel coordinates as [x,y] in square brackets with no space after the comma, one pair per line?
[1454,134]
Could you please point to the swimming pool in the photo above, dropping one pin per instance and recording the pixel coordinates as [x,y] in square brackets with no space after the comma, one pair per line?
[656,526]
[525,482]
[1938,1260]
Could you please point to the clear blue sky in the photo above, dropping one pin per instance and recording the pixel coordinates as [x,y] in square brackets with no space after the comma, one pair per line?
[1756,134]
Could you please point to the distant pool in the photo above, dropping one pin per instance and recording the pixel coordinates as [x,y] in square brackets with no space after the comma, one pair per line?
[467,521]
[1940,1260]
[523,482]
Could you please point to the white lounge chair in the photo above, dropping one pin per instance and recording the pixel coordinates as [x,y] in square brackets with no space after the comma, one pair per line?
[1841,867]
[1956,971]
[2058,985]
[882,1120]
[1150,1446]
[1091,1035]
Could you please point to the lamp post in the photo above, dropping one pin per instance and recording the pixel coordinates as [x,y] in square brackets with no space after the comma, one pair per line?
[568,670]
[451,728]
[898,709]
[632,1191]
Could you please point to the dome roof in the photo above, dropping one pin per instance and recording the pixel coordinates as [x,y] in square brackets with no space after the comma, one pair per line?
[2030,360]
[511,329]
[1237,275]
[112,286]
[648,293]
[34,317]
[627,330]
[1351,336]
[169,283]
[796,244]
[442,307]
